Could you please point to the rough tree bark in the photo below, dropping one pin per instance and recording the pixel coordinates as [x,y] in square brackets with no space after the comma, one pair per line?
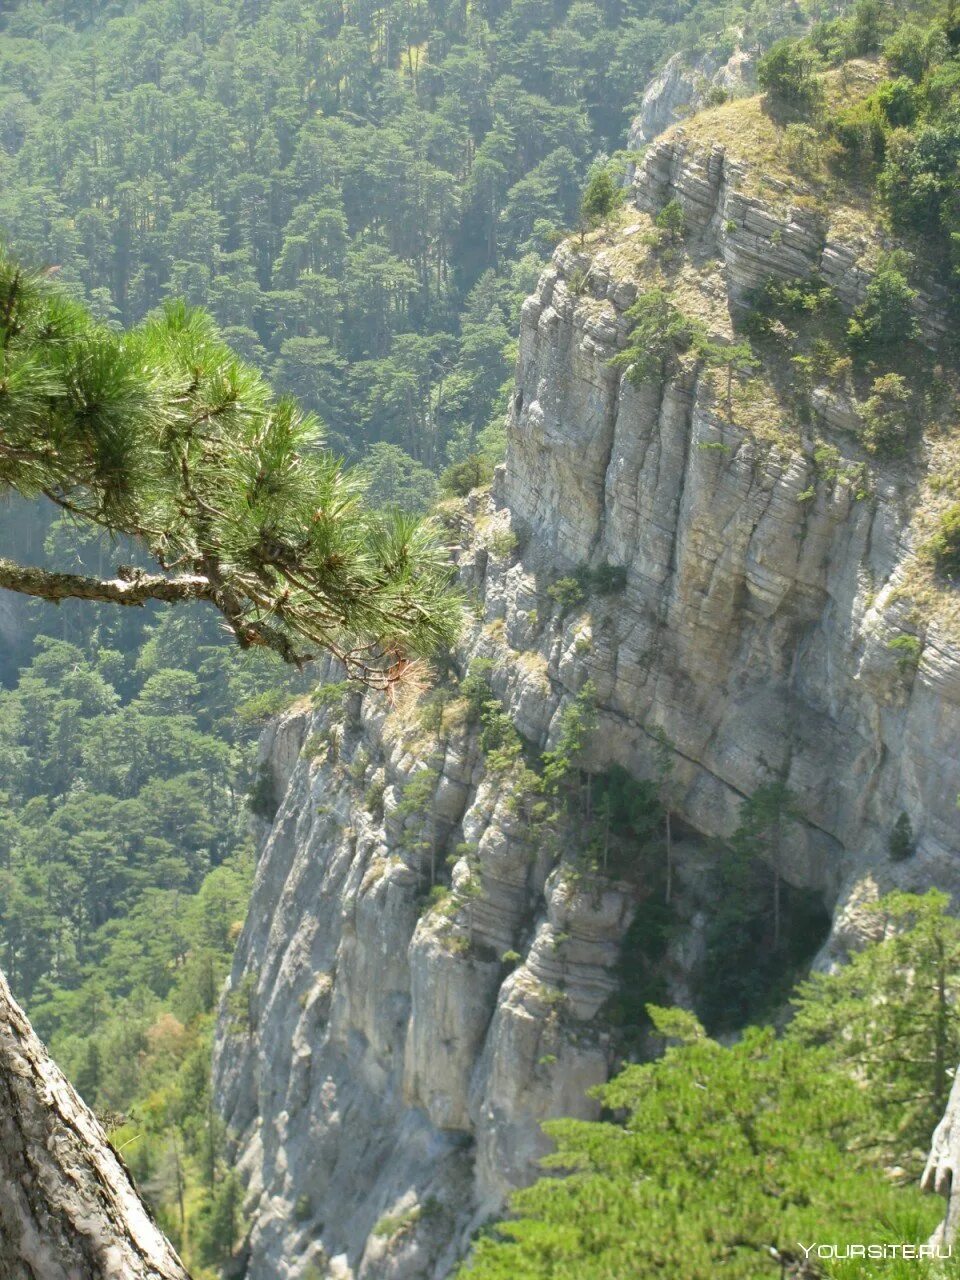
[137,588]
[68,1206]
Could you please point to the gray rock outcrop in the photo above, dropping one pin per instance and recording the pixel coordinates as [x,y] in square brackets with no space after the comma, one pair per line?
[940,1174]
[384,1057]
[685,84]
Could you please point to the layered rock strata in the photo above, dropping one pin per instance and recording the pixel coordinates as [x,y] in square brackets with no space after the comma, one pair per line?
[385,1058]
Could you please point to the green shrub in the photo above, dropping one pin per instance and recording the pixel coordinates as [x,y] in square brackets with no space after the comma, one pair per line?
[439,893]
[912,49]
[566,592]
[461,477]
[886,418]
[317,745]
[503,543]
[373,799]
[499,740]
[918,179]
[660,333]
[802,146]
[475,686]
[899,100]
[944,546]
[262,798]
[859,131]
[601,199]
[852,36]
[604,580]
[908,650]
[779,299]
[885,318]
[787,74]
[672,220]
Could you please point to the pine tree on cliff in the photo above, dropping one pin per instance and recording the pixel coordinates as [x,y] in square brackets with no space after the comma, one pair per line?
[161,436]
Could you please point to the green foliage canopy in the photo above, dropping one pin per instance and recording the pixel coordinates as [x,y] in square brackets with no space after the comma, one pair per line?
[727,1158]
[163,436]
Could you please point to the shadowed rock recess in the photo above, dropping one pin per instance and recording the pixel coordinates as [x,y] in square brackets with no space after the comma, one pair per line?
[383,1064]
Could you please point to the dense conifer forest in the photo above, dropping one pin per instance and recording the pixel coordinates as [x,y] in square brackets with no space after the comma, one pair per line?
[362,195]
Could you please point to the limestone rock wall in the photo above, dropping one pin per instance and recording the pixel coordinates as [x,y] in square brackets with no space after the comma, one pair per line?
[382,1068]
[683,85]
[384,1061]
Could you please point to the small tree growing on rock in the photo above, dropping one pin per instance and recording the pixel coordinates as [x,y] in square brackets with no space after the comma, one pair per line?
[787,74]
[885,318]
[672,220]
[660,333]
[886,416]
[736,358]
[601,199]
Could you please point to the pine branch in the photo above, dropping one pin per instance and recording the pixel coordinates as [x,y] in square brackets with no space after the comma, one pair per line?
[223,486]
[130,587]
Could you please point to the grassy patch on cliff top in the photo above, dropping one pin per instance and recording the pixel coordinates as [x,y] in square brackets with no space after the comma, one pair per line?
[784,165]
[625,245]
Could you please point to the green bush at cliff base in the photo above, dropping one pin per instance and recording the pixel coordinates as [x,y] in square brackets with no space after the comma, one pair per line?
[727,1157]
[718,1160]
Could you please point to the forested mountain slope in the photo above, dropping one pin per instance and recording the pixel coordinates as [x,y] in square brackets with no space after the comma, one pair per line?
[361,194]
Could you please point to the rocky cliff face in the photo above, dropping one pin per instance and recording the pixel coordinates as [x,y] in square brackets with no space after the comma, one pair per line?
[686,84]
[384,1061]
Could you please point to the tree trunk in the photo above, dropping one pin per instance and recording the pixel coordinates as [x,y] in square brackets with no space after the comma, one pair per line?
[68,1206]
[943,1167]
